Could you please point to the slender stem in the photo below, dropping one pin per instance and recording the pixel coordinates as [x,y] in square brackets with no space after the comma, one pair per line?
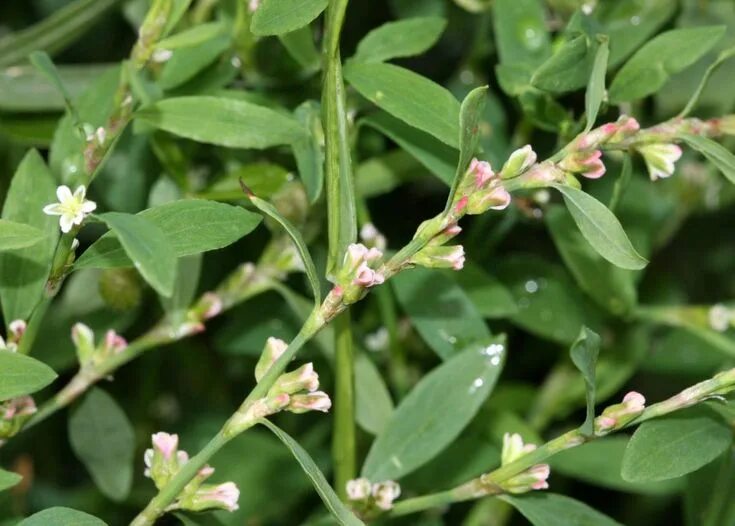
[170,491]
[424,502]
[343,437]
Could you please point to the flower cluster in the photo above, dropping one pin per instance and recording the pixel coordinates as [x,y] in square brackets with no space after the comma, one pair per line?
[372,499]
[618,415]
[164,460]
[16,329]
[479,190]
[89,353]
[534,478]
[360,271]
[13,415]
[71,208]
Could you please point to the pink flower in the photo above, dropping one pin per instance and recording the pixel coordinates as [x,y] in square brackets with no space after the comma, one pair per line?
[165,443]
[226,495]
[635,401]
[316,401]
[501,197]
[114,343]
[456,257]
[461,205]
[367,277]
[482,171]
[592,166]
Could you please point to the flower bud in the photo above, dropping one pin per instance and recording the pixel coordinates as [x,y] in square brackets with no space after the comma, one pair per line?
[450,232]
[384,493]
[495,198]
[83,339]
[514,448]
[302,379]
[359,489]
[16,330]
[316,401]
[114,343]
[726,124]
[720,317]
[534,478]
[164,460]
[212,497]
[618,415]
[359,272]
[372,237]
[274,348]
[14,413]
[660,159]
[587,164]
[440,257]
[208,306]
[518,162]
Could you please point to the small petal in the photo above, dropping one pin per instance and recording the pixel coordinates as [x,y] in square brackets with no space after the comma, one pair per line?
[63,193]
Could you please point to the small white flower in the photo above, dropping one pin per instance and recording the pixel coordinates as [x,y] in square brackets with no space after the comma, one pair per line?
[720,317]
[72,208]
[660,159]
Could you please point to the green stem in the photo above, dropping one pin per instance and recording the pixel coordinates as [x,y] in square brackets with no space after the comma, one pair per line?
[343,437]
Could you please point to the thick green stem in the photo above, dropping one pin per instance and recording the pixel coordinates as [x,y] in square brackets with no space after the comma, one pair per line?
[343,436]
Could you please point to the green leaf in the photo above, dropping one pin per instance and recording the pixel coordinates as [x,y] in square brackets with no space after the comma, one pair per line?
[715,153]
[584,352]
[102,437]
[23,272]
[54,33]
[373,404]
[675,445]
[187,62]
[598,463]
[433,154]
[297,238]
[59,516]
[330,499]
[469,135]
[192,36]
[300,45]
[147,247]
[21,375]
[18,235]
[723,57]
[8,479]
[601,228]
[43,64]
[309,152]
[222,121]
[404,38]
[550,509]
[653,64]
[435,412]
[611,287]
[440,310]
[191,226]
[489,296]
[595,93]
[520,32]
[275,17]
[408,96]
[709,499]
[566,70]
[549,304]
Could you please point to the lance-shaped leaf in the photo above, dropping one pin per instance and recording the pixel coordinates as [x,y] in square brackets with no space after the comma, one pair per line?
[222,121]
[469,135]
[192,36]
[147,247]
[330,499]
[549,509]
[276,17]
[654,63]
[584,352]
[43,63]
[21,375]
[601,228]
[404,38]
[373,404]
[59,516]
[436,411]
[566,70]
[714,152]
[408,96]
[18,235]
[596,86]
[296,237]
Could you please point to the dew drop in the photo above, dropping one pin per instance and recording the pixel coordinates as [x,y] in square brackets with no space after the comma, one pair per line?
[635,20]
[531,286]
[495,360]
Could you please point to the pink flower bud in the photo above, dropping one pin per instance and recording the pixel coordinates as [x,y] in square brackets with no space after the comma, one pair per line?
[660,159]
[274,348]
[114,343]
[605,423]
[302,379]
[593,168]
[358,489]
[385,493]
[211,305]
[482,172]
[205,472]
[635,401]
[461,205]
[367,277]
[16,330]
[518,162]
[316,401]
[165,444]
[224,496]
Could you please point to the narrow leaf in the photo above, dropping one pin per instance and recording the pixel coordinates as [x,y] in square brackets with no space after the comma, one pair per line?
[330,499]
[309,152]
[191,226]
[43,63]
[404,38]
[595,93]
[192,36]
[654,63]
[717,154]
[550,509]
[601,228]
[723,57]
[222,121]
[373,403]
[275,17]
[566,70]
[469,135]
[59,516]
[293,232]
[435,412]
[584,352]
[300,45]
[675,445]
[21,375]
[23,272]
[147,247]
[408,96]
[18,235]
[102,437]
[8,479]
